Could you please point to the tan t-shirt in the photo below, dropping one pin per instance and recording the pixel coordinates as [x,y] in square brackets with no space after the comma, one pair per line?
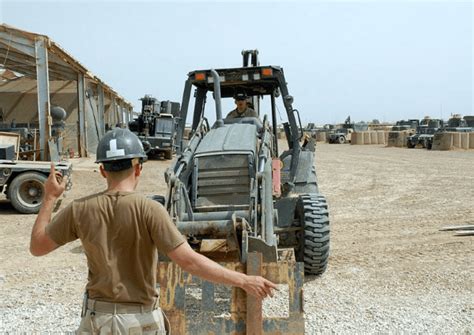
[248,112]
[120,232]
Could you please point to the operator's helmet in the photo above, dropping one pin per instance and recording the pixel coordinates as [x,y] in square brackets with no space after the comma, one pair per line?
[240,96]
[118,148]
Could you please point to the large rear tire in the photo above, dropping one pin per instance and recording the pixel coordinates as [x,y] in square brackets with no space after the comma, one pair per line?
[313,247]
[26,192]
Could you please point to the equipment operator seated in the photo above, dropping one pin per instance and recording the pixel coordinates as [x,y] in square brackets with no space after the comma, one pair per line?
[242,109]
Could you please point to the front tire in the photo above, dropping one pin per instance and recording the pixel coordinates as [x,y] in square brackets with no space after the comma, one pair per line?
[341,140]
[26,192]
[313,244]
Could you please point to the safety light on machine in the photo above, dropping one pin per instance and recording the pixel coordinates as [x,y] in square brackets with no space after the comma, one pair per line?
[267,72]
[200,76]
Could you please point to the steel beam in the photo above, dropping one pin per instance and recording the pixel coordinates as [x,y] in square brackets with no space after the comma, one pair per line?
[42,76]
[21,44]
[117,112]
[109,111]
[113,112]
[101,110]
[81,96]
[129,115]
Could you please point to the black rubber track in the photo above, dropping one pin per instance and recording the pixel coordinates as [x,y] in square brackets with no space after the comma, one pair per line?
[314,217]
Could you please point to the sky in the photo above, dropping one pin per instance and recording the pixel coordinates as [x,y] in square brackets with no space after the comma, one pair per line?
[385,60]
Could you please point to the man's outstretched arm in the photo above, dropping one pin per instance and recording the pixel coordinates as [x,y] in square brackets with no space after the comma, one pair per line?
[209,270]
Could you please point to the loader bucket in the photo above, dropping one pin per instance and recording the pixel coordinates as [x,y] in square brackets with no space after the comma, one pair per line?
[246,316]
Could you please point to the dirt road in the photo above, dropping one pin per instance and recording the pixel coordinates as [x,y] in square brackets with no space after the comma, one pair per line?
[390,269]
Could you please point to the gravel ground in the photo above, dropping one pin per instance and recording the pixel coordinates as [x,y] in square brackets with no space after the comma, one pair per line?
[391,270]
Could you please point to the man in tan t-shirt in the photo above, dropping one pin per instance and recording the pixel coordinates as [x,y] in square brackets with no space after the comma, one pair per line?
[242,109]
[120,231]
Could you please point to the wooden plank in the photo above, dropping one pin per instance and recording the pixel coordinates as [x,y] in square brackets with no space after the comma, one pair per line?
[246,316]
[254,305]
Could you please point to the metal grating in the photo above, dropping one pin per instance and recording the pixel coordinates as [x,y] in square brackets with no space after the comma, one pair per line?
[223,180]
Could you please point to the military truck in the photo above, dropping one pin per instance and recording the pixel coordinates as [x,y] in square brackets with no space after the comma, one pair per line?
[424,134]
[155,127]
[410,124]
[340,136]
[23,182]
[457,124]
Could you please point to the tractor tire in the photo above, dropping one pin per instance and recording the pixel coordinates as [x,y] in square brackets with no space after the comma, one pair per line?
[341,140]
[410,145]
[26,192]
[313,247]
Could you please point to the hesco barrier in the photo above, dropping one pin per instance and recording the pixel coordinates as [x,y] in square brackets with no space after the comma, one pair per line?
[453,140]
[281,135]
[442,141]
[369,137]
[374,139]
[382,137]
[456,140]
[397,138]
[465,140]
[321,136]
[357,138]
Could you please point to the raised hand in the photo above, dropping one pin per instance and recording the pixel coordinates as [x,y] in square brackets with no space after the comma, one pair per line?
[55,184]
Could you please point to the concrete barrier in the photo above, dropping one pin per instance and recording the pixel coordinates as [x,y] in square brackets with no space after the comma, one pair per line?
[471,140]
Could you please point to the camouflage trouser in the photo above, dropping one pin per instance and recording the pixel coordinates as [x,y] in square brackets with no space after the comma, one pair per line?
[107,318]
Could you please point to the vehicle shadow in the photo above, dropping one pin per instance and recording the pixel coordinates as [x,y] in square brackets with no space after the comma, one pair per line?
[6,208]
